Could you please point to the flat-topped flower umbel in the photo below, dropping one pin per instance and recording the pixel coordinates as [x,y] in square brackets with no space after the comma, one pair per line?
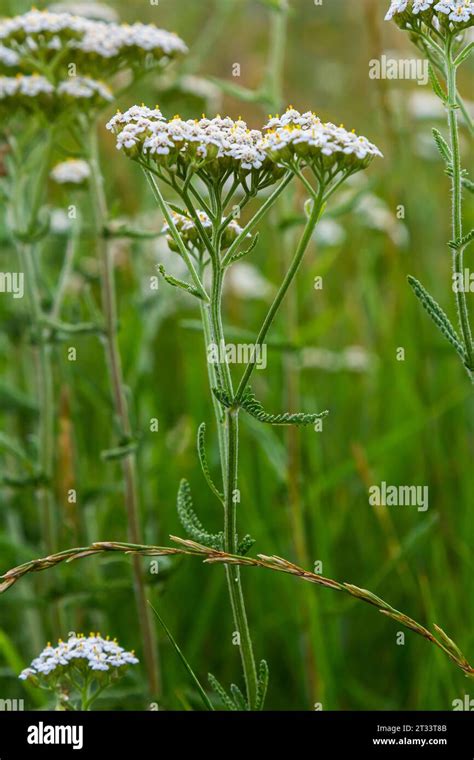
[41,43]
[213,147]
[325,147]
[220,147]
[90,653]
[447,14]
[89,43]
[79,669]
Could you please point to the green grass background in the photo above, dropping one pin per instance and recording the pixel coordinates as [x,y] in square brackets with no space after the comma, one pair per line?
[304,494]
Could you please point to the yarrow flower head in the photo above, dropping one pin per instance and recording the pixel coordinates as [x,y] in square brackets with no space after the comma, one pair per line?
[92,653]
[85,89]
[32,92]
[96,47]
[212,148]
[36,92]
[71,172]
[296,139]
[79,669]
[444,15]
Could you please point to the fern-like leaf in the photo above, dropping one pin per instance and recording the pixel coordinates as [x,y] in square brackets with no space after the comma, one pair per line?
[245,252]
[245,544]
[228,702]
[253,407]
[262,684]
[462,242]
[179,283]
[438,316]
[435,84]
[201,447]
[443,147]
[191,522]
[239,699]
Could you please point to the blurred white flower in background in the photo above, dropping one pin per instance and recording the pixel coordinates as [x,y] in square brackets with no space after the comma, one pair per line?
[71,172]
[245,281]
[96,11]
[60,223]
[351,359]
[376,215]
[329,232]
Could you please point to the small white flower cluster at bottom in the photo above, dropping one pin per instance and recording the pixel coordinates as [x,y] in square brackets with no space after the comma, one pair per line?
[93,652]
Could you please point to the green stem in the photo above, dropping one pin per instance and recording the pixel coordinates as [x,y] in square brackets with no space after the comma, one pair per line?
[318,207]
[229,431]
[457,227]
[129,469]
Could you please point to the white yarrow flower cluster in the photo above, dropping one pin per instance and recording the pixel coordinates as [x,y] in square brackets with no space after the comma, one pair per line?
[92,653]
[79,88]
[112,40]
[25,87]
[296,137]
[93,42]
[432,11]
[36,91]
[222,144]
[8,57]
[71,172]
[35,23]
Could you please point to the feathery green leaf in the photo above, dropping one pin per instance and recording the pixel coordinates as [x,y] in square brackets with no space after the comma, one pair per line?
[179,283]
[221,692]
[191,522]
[438,316]
[442,146]
[262,684]
[201,447]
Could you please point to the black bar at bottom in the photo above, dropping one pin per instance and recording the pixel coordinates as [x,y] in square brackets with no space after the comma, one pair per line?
[137,734]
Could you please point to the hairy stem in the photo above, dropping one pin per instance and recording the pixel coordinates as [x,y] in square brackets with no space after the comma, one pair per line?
[229,431]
